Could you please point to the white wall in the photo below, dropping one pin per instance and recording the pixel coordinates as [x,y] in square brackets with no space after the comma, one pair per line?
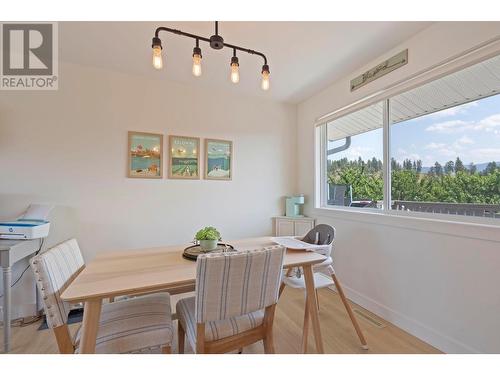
[437,280]
[69,148]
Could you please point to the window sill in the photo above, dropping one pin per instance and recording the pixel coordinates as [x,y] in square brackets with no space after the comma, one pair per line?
[485,229]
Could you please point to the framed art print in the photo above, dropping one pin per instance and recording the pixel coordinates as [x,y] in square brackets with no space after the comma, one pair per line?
[145,155]
[184,157]
[218,159]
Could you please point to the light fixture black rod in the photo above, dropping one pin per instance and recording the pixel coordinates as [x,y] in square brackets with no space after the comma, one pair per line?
[179,32]
[250,51]
[216,27]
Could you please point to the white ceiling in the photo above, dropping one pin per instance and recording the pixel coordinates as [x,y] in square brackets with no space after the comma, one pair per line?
[304,57]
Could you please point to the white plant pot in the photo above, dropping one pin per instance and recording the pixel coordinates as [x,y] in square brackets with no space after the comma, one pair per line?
[208,245]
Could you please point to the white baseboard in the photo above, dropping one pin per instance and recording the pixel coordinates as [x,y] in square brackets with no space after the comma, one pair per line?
[410,325]
[20,311]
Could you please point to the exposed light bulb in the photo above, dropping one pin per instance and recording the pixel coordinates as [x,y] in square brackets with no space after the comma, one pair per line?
[196,65]
[265,81]
[235,73]
[265,77]
[196,60]
[235,68]
[157,59]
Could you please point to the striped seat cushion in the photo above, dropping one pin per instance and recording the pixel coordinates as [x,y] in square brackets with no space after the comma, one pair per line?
[142,324]
[218,329]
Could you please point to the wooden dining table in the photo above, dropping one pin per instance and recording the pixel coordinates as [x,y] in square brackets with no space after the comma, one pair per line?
[142,271]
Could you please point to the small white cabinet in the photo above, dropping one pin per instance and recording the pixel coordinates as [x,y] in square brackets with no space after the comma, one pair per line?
[292,226]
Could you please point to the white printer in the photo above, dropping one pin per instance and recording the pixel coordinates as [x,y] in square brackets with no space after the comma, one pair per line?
[24,229]
[33,224]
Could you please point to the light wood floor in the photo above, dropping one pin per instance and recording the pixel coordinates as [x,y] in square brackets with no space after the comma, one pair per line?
[338,334]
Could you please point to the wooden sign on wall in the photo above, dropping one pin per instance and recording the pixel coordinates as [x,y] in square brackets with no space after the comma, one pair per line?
[395,62]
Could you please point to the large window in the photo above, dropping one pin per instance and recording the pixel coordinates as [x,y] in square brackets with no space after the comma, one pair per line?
[442,154]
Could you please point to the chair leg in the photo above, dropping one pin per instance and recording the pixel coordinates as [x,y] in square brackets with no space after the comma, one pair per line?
[166,350]
[268,329]
[282,288]
[364,345]
[181,334]
[317,299]
[200,338]
[269,342]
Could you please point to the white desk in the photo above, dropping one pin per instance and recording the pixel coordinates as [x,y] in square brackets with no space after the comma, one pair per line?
[12,251]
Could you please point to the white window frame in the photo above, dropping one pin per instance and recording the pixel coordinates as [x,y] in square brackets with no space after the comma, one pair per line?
[468,58]
[321,136]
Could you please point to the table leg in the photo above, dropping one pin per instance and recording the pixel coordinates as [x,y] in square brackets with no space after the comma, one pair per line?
[305,328]
[313,307]
[7,279]
[90,325]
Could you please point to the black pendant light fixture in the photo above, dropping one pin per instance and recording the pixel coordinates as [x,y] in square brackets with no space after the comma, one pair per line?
[216,42]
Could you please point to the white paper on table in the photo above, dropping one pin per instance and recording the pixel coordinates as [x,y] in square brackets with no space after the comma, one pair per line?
[37,212]
[293,243]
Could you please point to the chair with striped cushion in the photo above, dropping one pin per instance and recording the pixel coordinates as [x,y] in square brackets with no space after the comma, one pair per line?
[234,303]
[136,325]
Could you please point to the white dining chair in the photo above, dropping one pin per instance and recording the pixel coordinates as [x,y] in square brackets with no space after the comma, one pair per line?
[136,325]
[234,303]
[324,276]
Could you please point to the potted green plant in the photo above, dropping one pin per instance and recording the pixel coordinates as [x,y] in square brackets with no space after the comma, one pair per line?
[208,238]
